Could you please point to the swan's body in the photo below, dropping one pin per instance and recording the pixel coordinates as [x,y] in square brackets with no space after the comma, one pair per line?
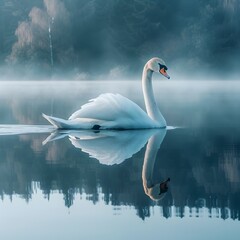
[113,111]
[108,111]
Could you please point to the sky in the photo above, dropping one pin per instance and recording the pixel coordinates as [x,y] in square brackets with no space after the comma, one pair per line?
[112,39]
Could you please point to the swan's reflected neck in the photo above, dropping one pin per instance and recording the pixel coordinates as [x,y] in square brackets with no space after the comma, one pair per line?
[154,143]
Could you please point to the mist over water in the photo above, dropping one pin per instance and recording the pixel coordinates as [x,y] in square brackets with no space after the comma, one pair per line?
[183,103]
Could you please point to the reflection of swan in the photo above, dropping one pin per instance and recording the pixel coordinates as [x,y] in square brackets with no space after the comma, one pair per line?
[151,188]
[113,147]
[109,147]
[113,111]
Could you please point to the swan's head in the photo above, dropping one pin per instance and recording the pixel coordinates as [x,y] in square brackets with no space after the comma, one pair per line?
[158,65]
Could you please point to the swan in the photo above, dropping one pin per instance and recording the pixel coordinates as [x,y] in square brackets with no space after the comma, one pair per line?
[114,111]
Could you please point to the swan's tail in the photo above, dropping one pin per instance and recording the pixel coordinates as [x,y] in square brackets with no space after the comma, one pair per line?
[55,136]
[57,122]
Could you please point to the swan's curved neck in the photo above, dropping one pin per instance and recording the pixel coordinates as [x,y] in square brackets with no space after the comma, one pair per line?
[150,102]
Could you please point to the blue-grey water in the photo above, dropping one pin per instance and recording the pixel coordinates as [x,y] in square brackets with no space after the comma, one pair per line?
[105,184]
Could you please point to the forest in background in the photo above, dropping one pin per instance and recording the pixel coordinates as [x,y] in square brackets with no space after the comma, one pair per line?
[90,39]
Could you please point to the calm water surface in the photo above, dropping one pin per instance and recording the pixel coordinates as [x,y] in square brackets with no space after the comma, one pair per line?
[105,184]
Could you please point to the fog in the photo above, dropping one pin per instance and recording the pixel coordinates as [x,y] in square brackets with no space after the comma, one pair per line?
[89,39]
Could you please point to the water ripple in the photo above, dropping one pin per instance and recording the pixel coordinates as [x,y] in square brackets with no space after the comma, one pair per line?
[17,129]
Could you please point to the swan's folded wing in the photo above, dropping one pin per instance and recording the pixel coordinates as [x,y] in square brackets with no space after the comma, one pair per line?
[112,107]
[107,106]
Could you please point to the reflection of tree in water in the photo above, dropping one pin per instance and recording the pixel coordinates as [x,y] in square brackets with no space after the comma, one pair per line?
[200,175]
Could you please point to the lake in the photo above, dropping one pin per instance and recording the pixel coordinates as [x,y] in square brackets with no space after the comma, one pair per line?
[105,184]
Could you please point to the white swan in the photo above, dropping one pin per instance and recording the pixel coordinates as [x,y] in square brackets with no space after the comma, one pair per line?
[113,111]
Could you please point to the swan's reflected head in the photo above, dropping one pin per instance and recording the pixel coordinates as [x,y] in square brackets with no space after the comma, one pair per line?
[159,66]
[157,191]
[154,194]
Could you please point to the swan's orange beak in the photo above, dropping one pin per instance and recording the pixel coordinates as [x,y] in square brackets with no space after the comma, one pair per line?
[164,73]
